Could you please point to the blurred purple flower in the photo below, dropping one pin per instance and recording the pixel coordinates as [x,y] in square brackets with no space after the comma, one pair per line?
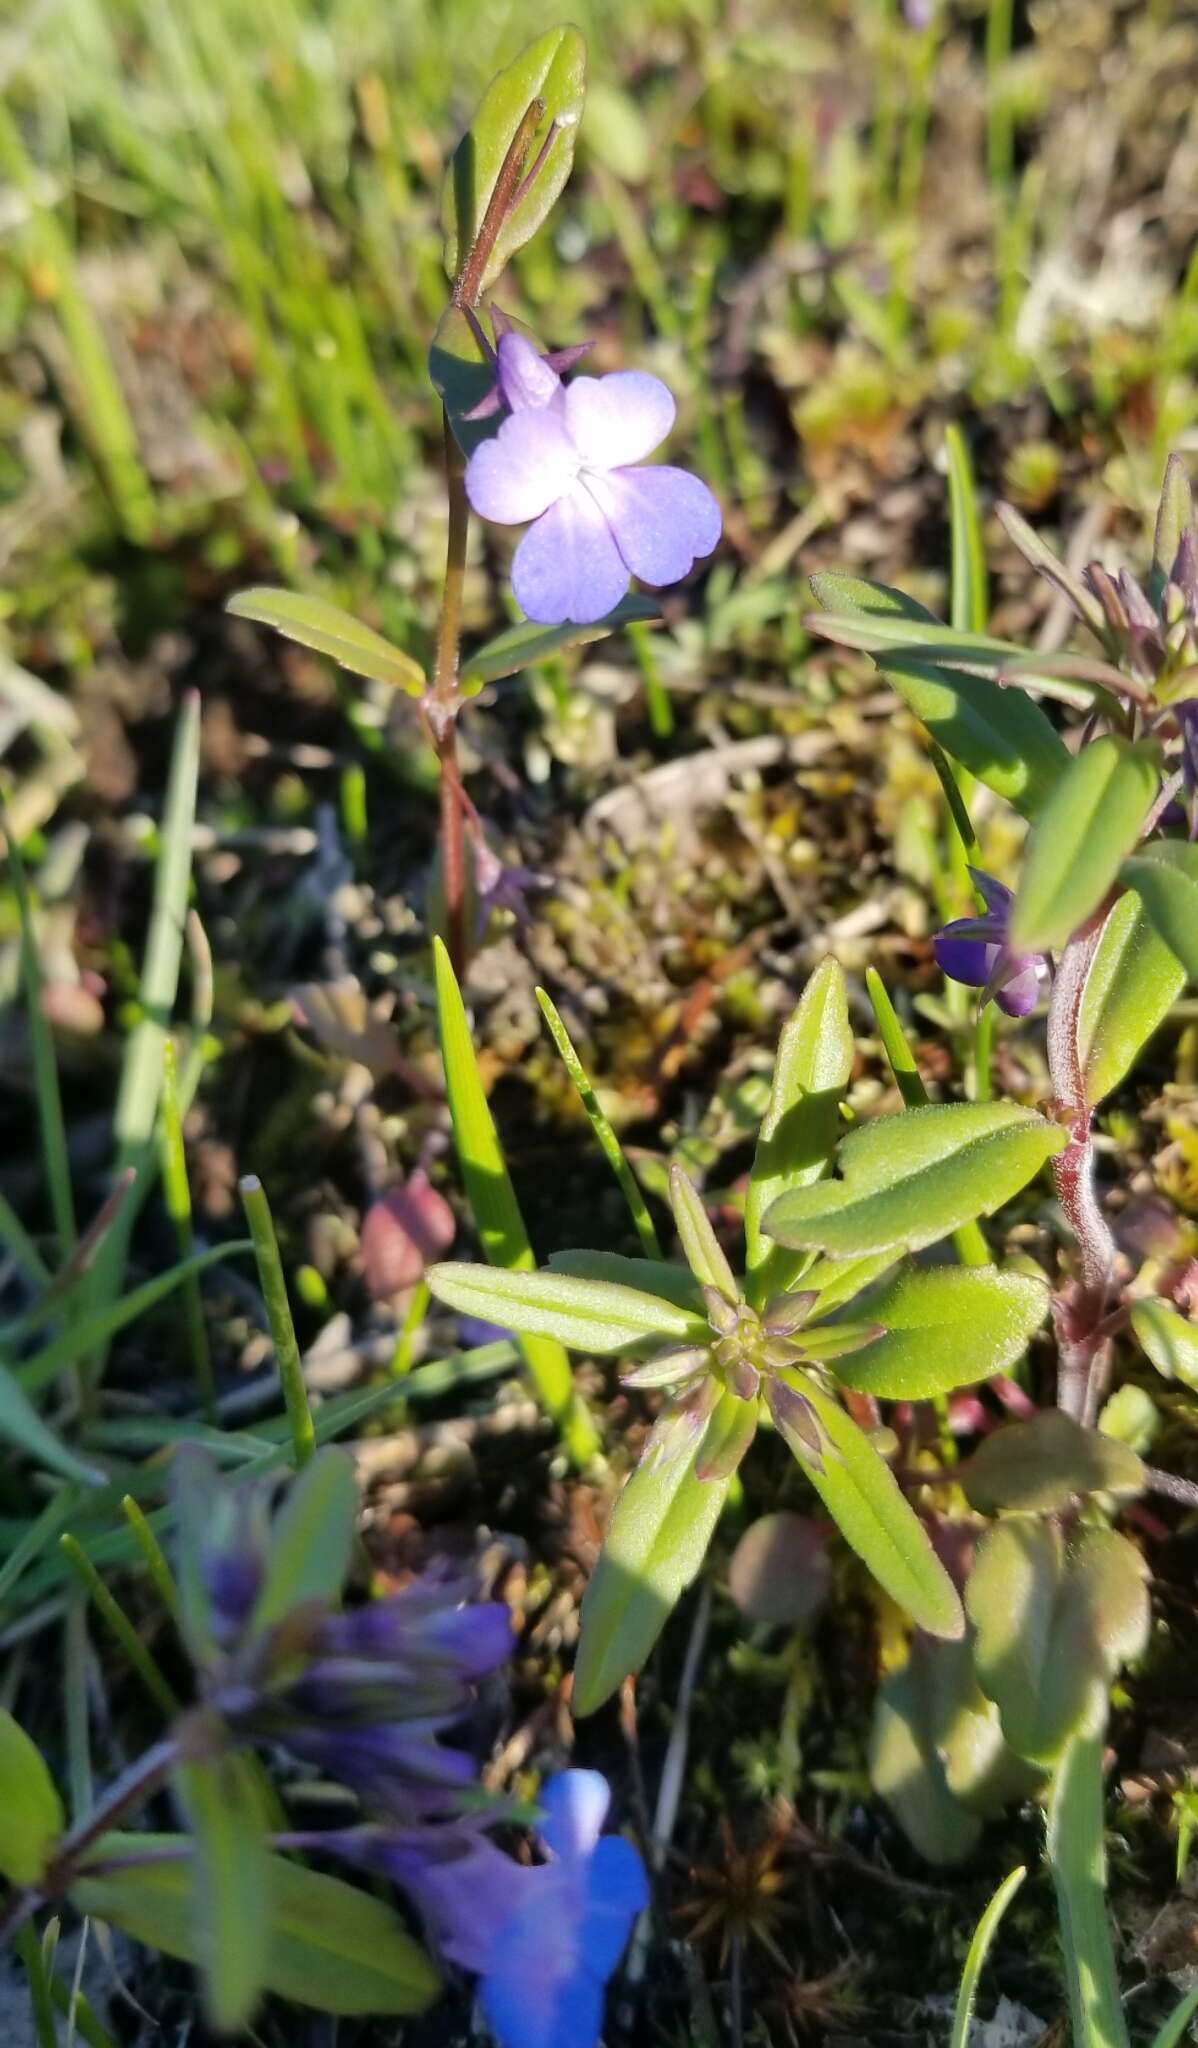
[543,1941]
[974,950]
[570,458]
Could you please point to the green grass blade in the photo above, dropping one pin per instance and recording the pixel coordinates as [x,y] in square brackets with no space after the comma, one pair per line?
[113,1615]
[1173,2032]
[38,1537]
[970,594]
[609,1144]
[21,1424]
[153,1556]
[100,1324]
[495,1208]
[41,2009]
[18,1243]
[177,1196]
[50,1123]
[1077,1857]
[278,1311]
[983,1935]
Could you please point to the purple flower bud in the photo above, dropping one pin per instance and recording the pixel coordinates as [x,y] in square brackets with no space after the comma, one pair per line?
[569,458]
[974,950]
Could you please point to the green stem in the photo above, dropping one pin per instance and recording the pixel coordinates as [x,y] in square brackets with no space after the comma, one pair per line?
[1077,1858]
[177,1195]
[278,1311]
[29,1949]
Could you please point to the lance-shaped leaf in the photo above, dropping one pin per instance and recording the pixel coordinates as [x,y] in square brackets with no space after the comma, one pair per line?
[31,1815]
[1174,517]
[315,623]
[1133,983]
[837,594]
[1053,1624]
[21,1424]
[1164,875]
[907,1770]
[231,1874]
[701,1247]
[873,1515]
[1169,1339]
[311,1540]
[593,1316]
[553,70]
[943,1329]
[798,1133]
[1091,821]
[912,1178]
[676,1284]
[520,646]
[329,1945]
[1041,558]
[656,1541]
[1039,1466]
[999,734]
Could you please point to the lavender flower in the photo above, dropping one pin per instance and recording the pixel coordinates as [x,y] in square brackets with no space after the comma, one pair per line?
[543,1941]
[974,950]
[569,458]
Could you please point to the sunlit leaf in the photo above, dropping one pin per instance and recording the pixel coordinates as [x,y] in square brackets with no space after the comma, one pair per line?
[327,629]
[1175,517]
[657,1539]
[1169,1339]
[700,1246]
[553,70]
[1133,982]
[1053,1624]
[799,1130]
[330,1946]
[946,1328]
[520,646]
[31,1815]
[676,1284]
[593,1316]
[912,1178]
[1038,1466]
[1164,875]
[874,1516]
[1091,821]
[836,593]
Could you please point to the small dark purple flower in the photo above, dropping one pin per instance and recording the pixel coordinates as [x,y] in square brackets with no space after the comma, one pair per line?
[570,459]
[974,950]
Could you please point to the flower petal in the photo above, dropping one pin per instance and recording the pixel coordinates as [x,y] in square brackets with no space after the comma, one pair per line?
[964,959]
[663,519]
[575,1806]
[618,419]
[617,1890]
[526,380]
[524,469]
[1020,994]
[567,567]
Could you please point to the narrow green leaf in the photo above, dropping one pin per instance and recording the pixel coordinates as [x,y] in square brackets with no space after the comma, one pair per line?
[912,1178]
[676,1284]
[520,646]
[979,1949]
[593,1316]
[273,1283]
[50,1124]
[1173,2033]
[1037,1467]
[113,1615]
[609,1144]
[495,1209]
[1077,1858]
[31,1815]
[1133,983]
[93,1330]
[1091,821]
[330,1945]
[1175,517]
[1164,875]
[311,1539]
[836,593]
[1169,1339]
[947,1328]
[970,599]
[655,1544]
[899,1056]
[327,629]
[700,1246]
[873,1515]
[553,70]
[1041,558]
[799,1131]
[232,1871]
[1053,1624]
[21,1424]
